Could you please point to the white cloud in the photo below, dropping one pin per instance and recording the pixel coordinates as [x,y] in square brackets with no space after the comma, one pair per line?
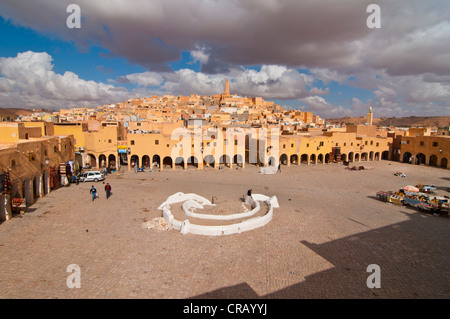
[200,54]
[29,80]
[270,82]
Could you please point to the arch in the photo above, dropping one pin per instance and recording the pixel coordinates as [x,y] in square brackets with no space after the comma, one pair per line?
[156,161]
[377,156]
[294,159]
[344,157]
[225,159]
[209,160]
[134,161]
[351,157]
[407,157]
[179,162]
[167,161]
[146,161]
[371,154]
[420,159]
[433,160]
[364,156]
[304,159]
[327,158]
[192,161]
[444,163]
[313,159]
[112,161]
[283,159]
[102,161]
[385,155]
[238,159]
[357,157]
[320,158]
[92,160]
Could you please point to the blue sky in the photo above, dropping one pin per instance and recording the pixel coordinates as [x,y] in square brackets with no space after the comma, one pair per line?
[333,69]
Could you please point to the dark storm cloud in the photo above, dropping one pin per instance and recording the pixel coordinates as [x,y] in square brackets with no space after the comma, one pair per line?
[322,33]
[405,63]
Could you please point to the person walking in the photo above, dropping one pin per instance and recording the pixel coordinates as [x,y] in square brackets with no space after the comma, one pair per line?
[93,192]
[108,190]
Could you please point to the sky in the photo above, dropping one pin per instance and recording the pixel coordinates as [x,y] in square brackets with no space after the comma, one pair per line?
[314,55]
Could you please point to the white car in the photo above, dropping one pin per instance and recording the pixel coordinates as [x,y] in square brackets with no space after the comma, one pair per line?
[92,176]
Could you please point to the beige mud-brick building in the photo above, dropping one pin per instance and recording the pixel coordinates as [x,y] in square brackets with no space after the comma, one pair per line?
[425,150]
[32,162]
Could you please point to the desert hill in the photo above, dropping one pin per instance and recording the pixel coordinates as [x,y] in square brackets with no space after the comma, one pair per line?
[438,121]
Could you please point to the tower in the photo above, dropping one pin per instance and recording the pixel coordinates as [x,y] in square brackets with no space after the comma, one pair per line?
[370,116]
[227,87]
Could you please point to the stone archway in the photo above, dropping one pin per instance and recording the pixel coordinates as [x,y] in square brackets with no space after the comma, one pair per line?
[112,163]
[134,161]
[209,160]
[407,157]
[351,157]
[444,163]
[146,161]
[294,159]
[433,160]
[304,159]
[102,161]
[179,162]
[167,161]
[421,159]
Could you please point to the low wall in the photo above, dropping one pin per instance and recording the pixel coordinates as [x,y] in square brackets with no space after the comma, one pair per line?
[192,201]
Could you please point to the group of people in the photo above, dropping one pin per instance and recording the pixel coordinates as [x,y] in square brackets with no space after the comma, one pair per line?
[93,191]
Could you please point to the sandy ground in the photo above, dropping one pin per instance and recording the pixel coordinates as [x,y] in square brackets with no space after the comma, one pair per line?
[328,230]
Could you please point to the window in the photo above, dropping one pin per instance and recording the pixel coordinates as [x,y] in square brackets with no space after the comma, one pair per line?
[45,153]
[284,145]
[371,142]
[54,149]
[307,145]
[31,157]
[292,145]
[321,144]
[435,144]
[407,142]
[422,143]
[13,163]
[109,141]
[156,142]
[235,142]
[132,142]
[139,124]
[365,143]
[168,145]
[337,144]
[378,144]
[345,144]
[351,144]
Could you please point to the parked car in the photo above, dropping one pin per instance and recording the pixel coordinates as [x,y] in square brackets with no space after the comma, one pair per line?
[91,176]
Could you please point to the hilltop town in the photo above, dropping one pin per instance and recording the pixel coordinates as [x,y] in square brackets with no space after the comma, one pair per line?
[222,131]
